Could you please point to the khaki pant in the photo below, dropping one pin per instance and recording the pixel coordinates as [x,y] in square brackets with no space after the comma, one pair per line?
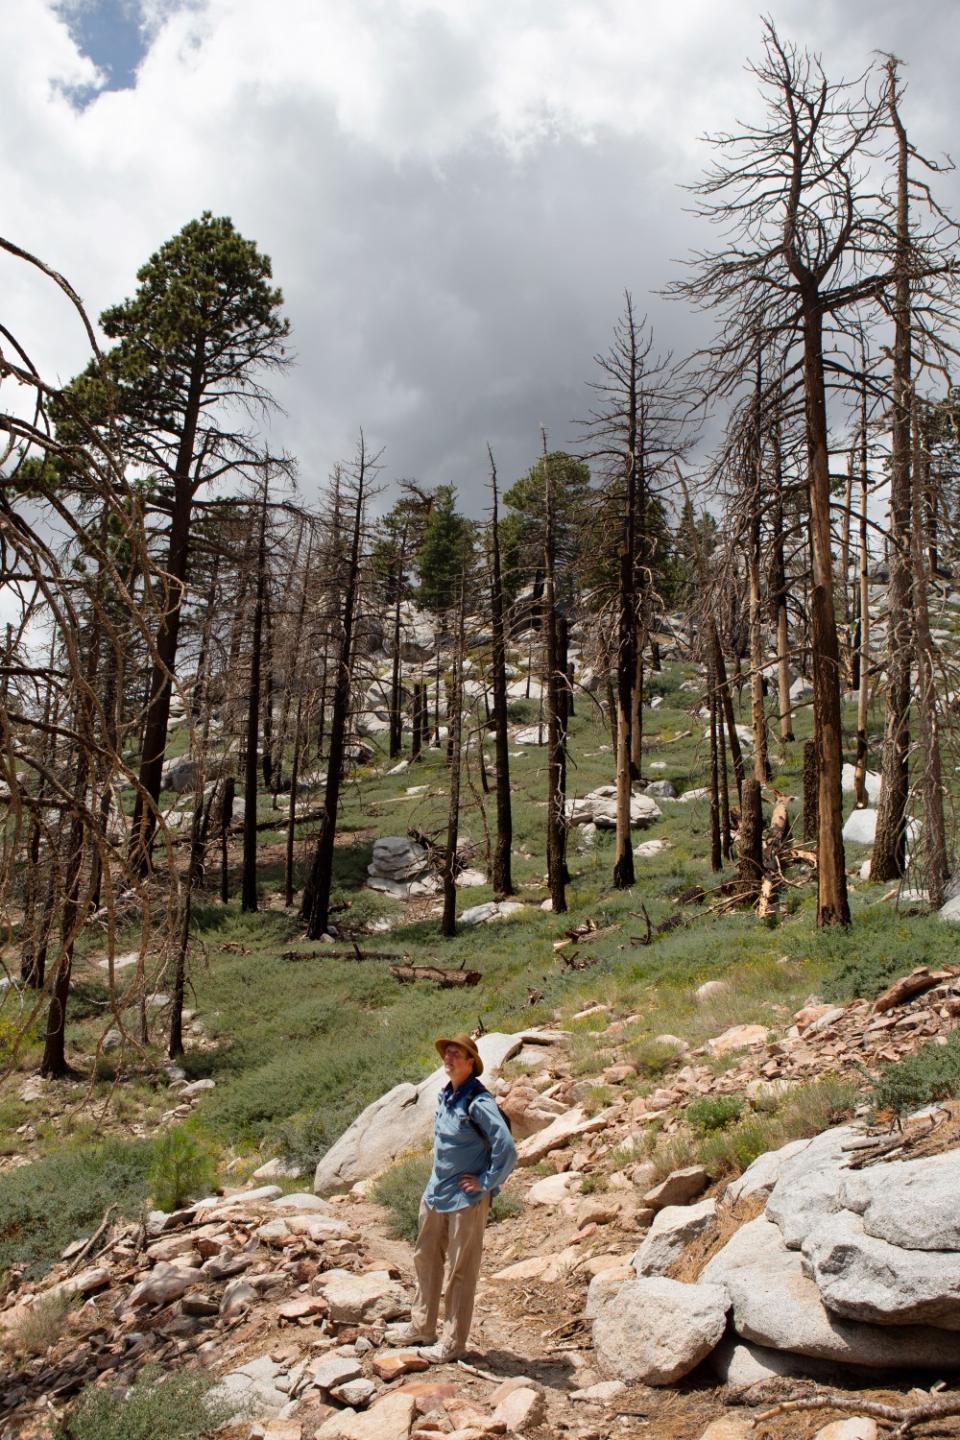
[455,1238]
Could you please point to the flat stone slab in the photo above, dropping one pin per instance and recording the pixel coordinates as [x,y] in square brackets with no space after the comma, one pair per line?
[560,1132]
[355,1299]
[679,1188]
[672,1230]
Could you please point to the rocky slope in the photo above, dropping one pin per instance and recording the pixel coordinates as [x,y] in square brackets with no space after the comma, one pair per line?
[616,1302]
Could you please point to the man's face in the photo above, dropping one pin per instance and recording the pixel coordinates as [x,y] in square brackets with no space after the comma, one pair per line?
[458,1065]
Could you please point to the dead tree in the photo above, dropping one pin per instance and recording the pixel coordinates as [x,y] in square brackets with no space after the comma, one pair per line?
[888,860]
[934,835]
[556,679]
[316,902]
[801,252]
[502,878]
[448,922]
[61,735]
[248,887]
[634,434]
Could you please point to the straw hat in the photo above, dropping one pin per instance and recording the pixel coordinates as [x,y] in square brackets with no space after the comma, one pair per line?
[466,1044]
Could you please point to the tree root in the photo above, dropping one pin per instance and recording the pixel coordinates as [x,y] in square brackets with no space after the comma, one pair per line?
[903,1419]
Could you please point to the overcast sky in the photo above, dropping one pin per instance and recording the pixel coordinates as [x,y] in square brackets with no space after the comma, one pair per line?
[454,193]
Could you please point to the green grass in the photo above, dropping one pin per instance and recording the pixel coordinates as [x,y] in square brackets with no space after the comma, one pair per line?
[298,1048]
[930,1073]
[64,1196]
[157,1406]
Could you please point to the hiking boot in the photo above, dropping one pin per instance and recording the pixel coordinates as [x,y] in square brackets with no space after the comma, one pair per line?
[440,1354]
[406,1334]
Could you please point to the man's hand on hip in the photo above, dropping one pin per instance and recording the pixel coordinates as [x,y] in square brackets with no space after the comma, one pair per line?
[470,1184]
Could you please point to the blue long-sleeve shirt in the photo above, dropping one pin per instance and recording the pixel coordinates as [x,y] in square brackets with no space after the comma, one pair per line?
[460,1149]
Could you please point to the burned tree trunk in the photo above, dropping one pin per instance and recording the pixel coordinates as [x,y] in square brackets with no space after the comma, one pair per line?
[396,672]
[292,808]
[448,922]
[716,848]
[863,625]
[778,600]
[726,700]
[936,861]
[811,790]
[750,842]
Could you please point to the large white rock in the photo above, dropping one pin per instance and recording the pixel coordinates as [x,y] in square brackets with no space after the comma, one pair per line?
[401,1121]
[489,911]
[673,1228]
[180,775]
[950,911]
[553,1189]
[808,1187]
[568,1126]
[250,1391]
[861,827]
[357,1299]
[401,868]
[599,808]
[863,1278]
[604,1287]
[390,1419]
[661,790]
[776,1304]
[654,1331]
[872,781]
[700,792]
[912,1203]
[737,1362]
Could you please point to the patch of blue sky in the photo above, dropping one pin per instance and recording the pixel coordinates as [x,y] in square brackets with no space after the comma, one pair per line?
[112,34]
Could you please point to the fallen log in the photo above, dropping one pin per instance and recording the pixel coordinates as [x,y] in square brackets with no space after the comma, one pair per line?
[327,952]
[923,978]
[445,979]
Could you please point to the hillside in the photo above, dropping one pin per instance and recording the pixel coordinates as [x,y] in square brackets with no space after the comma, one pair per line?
[705,1045]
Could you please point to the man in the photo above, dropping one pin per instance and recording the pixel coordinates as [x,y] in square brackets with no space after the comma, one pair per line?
[473,1153]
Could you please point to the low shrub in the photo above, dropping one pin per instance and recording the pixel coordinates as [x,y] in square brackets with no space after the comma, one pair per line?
[505,1206]
[400,1189]
[157,1406]
[652,1057]
[184,1168]
[731,1150]
[63,1196]
[929,1074]
[713,1112]
[42,1325]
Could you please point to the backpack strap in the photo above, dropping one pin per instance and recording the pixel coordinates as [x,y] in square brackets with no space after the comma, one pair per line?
[478,1089]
